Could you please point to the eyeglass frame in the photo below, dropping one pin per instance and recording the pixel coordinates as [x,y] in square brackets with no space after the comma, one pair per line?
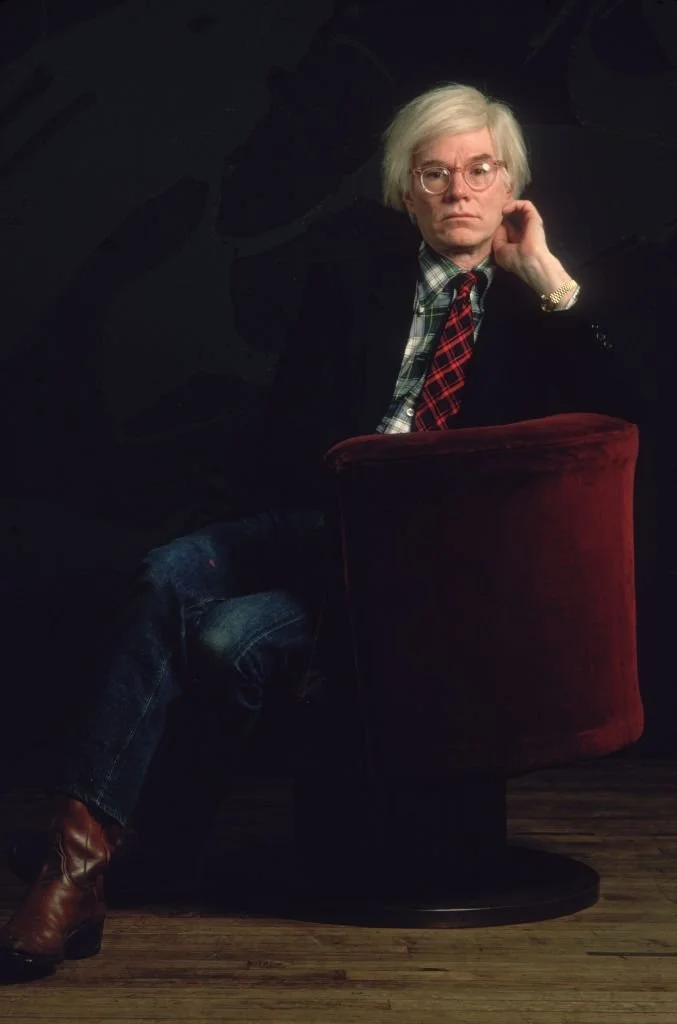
[452,170]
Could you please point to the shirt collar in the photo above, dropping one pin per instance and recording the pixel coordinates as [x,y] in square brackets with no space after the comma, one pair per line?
[437,271]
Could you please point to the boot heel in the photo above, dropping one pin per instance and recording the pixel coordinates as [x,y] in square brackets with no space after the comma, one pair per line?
[85,942]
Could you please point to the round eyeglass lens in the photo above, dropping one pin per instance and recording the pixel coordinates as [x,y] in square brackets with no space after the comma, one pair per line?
[479,174]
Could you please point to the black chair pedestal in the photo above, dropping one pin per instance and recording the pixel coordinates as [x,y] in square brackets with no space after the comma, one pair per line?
[422,854]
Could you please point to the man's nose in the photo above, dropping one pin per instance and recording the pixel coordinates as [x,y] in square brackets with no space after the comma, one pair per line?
[457,187]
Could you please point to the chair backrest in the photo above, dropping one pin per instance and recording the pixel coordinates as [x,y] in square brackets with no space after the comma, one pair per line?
[489,574]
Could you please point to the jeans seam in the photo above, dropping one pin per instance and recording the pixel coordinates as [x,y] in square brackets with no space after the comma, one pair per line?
[130,735]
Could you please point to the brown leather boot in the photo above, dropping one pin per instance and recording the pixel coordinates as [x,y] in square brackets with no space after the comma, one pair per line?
[63,913]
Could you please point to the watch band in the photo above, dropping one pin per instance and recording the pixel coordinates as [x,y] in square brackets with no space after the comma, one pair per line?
[551,301]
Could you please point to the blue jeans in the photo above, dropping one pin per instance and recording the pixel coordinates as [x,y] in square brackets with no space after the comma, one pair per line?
[237,600]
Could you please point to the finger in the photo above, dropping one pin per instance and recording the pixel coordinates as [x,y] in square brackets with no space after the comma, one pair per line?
[500,235]
[513,232]
[514,224]
[522,204]
[525,207]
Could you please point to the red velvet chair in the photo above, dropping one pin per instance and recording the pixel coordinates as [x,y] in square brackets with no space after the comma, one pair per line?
[489,581]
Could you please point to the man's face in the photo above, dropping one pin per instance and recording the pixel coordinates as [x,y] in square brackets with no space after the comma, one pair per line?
[459,223]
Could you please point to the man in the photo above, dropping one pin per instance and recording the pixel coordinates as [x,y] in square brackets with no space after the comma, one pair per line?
[467,320]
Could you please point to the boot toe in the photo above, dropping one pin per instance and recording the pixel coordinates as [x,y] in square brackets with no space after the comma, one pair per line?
[17,965]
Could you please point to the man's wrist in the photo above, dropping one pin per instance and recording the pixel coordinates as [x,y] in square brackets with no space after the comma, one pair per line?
[570,299]
[544,274]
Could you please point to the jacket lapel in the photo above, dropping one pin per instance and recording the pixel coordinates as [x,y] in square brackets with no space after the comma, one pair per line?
[383,326]
[499,372]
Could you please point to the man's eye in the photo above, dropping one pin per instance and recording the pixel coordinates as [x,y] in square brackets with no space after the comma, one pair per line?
[435,173]
[480,170]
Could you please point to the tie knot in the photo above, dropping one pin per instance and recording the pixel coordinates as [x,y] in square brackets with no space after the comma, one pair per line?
[463,283]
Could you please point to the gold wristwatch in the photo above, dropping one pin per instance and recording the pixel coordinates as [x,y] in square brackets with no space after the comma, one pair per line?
[551,301]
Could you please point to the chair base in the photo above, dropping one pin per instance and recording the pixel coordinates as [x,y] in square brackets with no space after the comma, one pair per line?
[522,885]
[425,853]
[519,886]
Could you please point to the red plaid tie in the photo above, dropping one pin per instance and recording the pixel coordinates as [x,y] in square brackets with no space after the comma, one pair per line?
[440,397]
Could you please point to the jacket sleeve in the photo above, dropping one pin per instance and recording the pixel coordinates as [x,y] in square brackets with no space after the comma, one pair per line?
[308,403]
[594,374]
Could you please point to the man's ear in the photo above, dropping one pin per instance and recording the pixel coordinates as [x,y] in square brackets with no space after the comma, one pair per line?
[409,204]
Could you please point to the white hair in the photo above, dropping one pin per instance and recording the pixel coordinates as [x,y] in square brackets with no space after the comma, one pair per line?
[450,110]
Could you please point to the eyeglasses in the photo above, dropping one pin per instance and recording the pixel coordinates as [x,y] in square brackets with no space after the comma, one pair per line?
[477,174]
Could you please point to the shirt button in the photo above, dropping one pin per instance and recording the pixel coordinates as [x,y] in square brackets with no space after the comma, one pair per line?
[410,412]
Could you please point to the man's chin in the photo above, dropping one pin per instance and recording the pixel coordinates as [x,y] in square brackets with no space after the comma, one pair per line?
[459,234]
[457,242]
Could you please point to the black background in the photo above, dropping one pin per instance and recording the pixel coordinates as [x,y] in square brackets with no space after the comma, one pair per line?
[165,167]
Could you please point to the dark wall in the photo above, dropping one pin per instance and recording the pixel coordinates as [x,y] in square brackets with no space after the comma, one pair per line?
[165,166]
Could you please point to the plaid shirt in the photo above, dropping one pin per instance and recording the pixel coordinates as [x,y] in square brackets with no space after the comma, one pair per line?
[431,306]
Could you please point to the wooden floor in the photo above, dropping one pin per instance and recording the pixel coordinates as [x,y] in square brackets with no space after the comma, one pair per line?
[615,963]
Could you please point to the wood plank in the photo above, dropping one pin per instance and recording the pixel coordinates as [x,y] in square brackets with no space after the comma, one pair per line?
[615,963]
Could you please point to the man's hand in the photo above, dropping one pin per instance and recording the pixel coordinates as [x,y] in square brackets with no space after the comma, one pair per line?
[520,247]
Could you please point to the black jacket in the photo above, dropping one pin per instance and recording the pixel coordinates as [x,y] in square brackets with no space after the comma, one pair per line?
[338,373]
